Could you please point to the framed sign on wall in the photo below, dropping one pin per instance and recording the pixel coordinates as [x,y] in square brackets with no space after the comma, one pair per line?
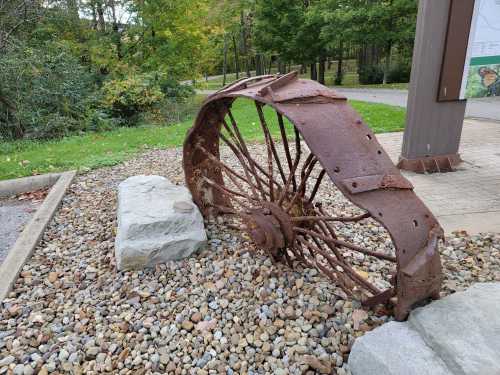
[481,76]
[471,61]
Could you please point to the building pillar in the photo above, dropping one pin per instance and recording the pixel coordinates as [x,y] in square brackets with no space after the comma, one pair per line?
[433,128]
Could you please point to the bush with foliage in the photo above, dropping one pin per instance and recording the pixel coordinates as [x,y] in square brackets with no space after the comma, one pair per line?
[45,92]
[370,74]
[173,89]
[129,97]
[399,73]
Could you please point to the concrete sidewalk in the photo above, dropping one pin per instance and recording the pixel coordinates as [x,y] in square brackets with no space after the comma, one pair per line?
[486,108]
[468,199]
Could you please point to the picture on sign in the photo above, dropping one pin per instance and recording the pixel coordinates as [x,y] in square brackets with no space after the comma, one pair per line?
[482,66]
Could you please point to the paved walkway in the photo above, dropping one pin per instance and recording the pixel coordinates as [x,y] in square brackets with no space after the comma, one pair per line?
[487,108]
[468,199]
[14,215]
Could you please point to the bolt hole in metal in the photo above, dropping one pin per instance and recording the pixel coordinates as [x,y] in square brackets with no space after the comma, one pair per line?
[280,194]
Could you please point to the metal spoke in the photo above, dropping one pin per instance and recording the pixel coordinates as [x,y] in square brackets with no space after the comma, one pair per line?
[316,186]
[267,137]
[291,178]
[352,274]
[229,171]
[284,139]
[332,218]
[330,245]
[244,147]
[332,273]
[265,128]
[305,173]
[226,190]
[345,244]
[243,164]
[244,151]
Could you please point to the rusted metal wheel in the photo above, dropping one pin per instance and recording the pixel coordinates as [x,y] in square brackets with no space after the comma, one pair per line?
[313,138]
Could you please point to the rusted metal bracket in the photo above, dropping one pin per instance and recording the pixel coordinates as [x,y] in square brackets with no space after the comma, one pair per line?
[363,184]
[242,84]
[278,83]
[431,164]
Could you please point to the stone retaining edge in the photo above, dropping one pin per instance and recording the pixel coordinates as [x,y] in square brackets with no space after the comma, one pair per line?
[8,188]
[32,233]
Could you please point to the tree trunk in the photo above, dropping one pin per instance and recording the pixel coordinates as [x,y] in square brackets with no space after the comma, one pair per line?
[73,10]
[321,73]
[244,43]
[224,66]
[117,38]
[101,24]
[94,17]
[387,61]
[314,72]
[258,64]
[338,78]
[236,59]
[270,66]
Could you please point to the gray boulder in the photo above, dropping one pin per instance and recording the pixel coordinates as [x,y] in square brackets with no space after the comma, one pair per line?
[457,335]
[157,222]
[394,349]
[464,329]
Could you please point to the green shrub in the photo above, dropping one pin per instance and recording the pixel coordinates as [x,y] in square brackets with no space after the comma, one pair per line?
[370,74]
[175,110]
[399,73]
[129,97]
[44,92]
[173,89]
[98,120]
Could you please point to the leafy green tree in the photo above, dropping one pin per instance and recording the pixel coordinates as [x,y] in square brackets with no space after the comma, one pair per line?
[46,92]
[168,36]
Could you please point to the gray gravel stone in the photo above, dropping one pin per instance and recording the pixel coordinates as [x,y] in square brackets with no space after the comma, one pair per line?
[7,360]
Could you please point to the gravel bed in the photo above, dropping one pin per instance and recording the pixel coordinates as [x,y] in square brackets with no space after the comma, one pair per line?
[228,310]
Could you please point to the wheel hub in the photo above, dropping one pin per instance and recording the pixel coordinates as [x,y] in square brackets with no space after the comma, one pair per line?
[270,227]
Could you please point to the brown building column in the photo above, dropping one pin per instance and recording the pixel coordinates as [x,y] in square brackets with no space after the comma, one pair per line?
[433,129]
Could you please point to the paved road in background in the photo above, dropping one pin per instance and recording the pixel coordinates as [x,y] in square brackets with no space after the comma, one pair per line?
[487,108]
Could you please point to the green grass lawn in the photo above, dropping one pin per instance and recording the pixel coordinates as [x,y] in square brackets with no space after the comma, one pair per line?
[25,158]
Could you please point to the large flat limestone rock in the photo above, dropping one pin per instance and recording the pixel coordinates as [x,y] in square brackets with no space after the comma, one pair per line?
[464,329]
[157,222]
[394,348]
[458,335]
